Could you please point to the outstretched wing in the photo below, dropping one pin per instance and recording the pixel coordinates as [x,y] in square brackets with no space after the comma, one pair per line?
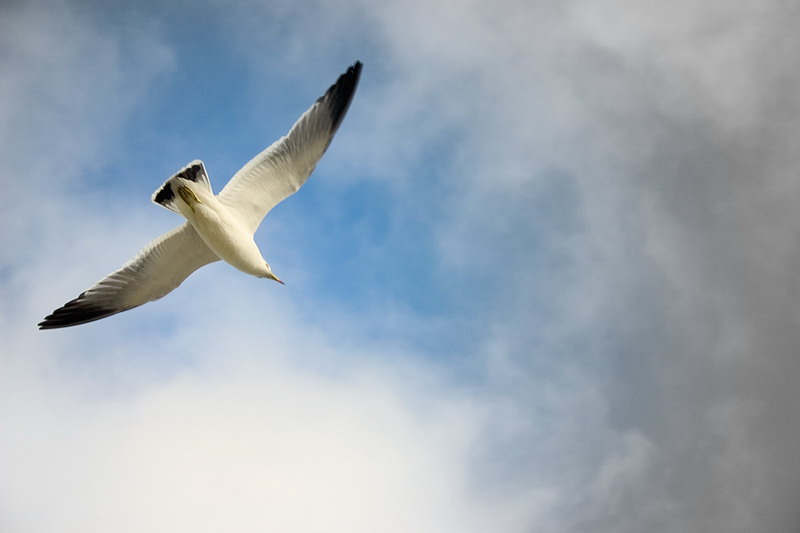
[280,170]
[155,271]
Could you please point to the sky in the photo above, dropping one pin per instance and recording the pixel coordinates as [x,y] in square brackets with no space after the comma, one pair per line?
[544,278]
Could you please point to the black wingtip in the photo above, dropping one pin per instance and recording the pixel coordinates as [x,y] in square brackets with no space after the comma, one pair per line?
[340,94]
[76,312]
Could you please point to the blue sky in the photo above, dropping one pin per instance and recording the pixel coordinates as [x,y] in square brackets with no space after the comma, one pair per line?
[543,280]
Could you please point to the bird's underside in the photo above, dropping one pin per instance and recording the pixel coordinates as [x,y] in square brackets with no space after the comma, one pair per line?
[220,226]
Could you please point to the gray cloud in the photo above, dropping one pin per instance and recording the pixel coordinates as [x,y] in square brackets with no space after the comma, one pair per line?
[629,187]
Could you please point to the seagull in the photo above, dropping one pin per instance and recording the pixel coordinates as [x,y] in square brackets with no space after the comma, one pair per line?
[217,226]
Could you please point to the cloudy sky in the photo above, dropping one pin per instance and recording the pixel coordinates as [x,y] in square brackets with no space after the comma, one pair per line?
[544,280]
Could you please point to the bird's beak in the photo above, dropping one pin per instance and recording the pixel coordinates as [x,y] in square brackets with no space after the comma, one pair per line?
[274,277]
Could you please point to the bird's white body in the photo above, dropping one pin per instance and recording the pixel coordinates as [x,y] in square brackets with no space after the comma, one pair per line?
[222,230]
[217,226]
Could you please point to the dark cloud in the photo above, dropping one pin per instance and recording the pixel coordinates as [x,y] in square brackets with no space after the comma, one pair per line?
[661,270]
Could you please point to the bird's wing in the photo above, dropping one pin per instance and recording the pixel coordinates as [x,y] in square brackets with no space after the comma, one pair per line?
[280,170]
[155,271]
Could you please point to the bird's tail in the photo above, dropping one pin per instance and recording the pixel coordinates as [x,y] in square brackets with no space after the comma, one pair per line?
[194,172]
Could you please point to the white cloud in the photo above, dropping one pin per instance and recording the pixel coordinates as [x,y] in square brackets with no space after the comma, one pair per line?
[246,443]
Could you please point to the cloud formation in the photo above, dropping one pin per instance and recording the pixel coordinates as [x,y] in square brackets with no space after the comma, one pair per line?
[629,189]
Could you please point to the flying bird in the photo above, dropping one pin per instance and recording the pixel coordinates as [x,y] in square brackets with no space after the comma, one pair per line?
[217,226]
